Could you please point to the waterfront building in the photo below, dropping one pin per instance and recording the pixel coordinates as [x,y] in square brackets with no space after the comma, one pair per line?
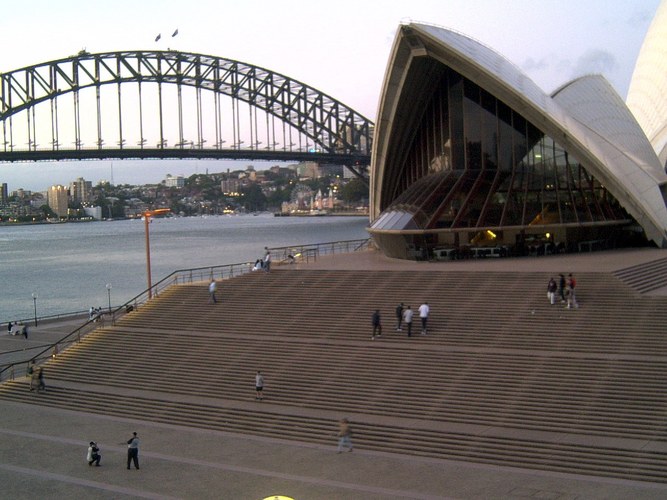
[57,198]
[4,194]
[177,181]
[470,155]
[80,190]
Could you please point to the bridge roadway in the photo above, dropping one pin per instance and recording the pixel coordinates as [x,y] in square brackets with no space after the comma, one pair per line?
[42,450]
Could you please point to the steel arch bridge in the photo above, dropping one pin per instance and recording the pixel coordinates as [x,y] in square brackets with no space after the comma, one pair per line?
[171,104]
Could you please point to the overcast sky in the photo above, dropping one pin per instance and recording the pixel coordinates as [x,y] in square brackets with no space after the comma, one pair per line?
[340,48]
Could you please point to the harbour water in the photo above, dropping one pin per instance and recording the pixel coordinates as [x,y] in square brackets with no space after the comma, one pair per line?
[69,265]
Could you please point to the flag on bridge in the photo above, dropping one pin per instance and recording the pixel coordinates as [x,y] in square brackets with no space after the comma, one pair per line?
[157,38]
[174,33]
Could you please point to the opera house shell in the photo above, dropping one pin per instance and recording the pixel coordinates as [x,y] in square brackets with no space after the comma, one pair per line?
[471,157]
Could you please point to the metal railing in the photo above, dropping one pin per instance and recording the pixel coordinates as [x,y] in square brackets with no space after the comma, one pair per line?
[281,255]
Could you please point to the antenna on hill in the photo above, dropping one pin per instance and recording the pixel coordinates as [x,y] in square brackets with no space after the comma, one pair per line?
[111,174]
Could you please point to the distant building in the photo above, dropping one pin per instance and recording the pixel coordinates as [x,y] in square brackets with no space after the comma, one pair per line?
[4,195]
[177,181]
[231,185]
[80,190]
[56,198]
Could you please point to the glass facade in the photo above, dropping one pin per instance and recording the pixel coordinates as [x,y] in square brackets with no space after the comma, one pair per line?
[475,168]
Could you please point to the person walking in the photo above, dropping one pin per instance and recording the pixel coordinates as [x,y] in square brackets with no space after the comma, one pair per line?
[561,288]
[407,319]
[267,260]
[133,451]
[424,311]
[41,386]
[377,325]
[344,435]
[399,317]
[259,385]
[571,283]
[212,287]
[93,455]
[32,373]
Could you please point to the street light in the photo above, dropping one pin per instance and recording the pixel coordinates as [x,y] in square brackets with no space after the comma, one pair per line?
[147,216]
[34,305]
[109,294]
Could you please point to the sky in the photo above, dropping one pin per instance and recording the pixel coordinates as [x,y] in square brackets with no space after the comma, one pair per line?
[340,48]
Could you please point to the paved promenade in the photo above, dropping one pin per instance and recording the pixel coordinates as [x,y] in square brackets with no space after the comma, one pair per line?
[42,450]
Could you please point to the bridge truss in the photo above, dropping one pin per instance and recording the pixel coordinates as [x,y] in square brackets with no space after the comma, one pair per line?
[170,104]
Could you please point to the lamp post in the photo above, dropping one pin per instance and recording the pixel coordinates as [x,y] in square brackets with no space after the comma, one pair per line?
[147,216]
[108,285]
[34,305]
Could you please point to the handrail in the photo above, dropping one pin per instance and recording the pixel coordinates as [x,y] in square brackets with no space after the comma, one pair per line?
[182,276]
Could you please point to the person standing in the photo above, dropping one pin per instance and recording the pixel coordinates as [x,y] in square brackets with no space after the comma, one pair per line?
[259,385]
[212,287]
[93,454]
[267,260]
[399,317]
[424,310]
[344,435]
[571,283]
[407,319]
[133,451]
[552,288]
[377,325]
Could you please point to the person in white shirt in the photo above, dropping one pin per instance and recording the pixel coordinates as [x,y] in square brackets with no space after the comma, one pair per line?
[407,319]
[259,385]
[267,260]
[212,287]
[423,315]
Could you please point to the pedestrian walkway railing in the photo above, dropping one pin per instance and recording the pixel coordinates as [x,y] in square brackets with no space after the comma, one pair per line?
[311,252]
[281,255]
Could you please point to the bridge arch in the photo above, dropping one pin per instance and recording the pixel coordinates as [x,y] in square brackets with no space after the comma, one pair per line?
[308,118]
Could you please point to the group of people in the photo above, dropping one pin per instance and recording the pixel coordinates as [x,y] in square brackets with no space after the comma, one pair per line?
[94,455]
[94,313]
[263,264]
[17,328]
[404,315]
[564,289]
[344,434]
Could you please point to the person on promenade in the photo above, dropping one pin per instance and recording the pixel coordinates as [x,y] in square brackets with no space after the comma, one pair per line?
[24,330]
[9,328]
[259,385]
[571,283]
[267,260]
[133,451]
[377,325]
[399,317]
[212,287]
[424,310]
[41,386]
[552,288]
[407,319]
[93,455]
[344,435]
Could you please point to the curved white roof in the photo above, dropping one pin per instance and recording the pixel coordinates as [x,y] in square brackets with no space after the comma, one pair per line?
[647,96]
[632,175]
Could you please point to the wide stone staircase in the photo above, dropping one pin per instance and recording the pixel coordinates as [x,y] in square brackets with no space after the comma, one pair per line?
[502,377]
